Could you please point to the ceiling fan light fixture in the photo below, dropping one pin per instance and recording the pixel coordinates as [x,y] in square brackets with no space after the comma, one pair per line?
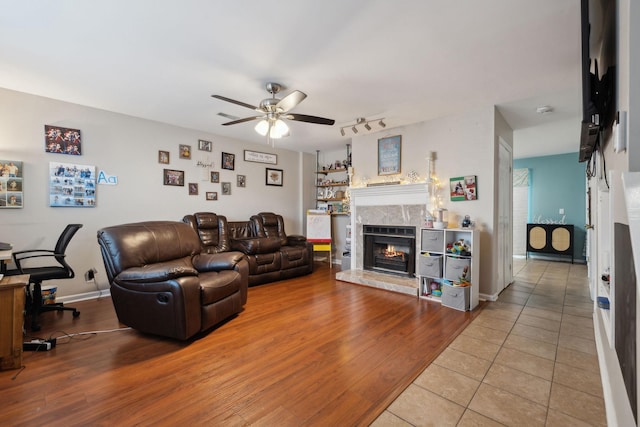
[262,127]
[279,129]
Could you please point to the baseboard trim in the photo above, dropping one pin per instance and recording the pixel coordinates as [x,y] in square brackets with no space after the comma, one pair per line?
[85,296]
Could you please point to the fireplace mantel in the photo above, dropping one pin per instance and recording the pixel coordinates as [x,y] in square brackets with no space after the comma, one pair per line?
[381,195]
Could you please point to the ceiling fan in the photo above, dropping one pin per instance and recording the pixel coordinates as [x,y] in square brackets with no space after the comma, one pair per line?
[273,110]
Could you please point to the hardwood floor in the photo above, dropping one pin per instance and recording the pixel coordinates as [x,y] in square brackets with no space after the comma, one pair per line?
[305,351]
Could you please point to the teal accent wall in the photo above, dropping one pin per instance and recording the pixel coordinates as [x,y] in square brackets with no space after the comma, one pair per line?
[557,182]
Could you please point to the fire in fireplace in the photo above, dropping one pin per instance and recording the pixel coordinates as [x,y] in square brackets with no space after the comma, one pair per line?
[389,249]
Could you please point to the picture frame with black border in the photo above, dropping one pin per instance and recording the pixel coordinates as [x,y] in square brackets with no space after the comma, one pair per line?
[215,177]
[258,157]
[274,177]
[211,195]
[228,161]
[173,177]
[241,181]
[205,145]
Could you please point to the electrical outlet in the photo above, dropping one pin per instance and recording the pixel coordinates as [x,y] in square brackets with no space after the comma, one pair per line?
[90,275]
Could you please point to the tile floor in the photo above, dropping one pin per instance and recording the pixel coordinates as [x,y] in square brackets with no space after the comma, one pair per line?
[528,359]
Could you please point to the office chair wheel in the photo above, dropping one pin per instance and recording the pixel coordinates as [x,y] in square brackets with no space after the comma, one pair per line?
[76,313]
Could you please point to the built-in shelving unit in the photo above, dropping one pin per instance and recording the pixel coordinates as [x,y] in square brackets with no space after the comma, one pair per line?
[332,182]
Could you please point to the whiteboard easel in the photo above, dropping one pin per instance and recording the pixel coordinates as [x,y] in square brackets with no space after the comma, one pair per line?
[319,232]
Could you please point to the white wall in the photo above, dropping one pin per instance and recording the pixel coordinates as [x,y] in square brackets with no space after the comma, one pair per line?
[127,147]
[464,145]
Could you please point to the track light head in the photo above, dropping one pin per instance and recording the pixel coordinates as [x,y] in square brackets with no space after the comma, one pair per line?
[366,126]
[354,129]
[342,132]
[381,123]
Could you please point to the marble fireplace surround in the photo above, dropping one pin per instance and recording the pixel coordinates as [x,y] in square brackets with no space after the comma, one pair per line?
[399,204]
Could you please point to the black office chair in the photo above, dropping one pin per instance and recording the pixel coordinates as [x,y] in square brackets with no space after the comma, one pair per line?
[38,274]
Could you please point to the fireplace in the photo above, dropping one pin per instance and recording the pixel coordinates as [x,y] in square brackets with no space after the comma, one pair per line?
[389,249]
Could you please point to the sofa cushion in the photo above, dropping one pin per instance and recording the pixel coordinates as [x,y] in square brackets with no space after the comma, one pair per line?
[217,285]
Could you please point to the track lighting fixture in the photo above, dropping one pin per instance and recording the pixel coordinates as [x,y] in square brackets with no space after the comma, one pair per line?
[367,124]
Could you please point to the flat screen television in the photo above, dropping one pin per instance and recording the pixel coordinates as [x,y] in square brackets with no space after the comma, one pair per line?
[598,50]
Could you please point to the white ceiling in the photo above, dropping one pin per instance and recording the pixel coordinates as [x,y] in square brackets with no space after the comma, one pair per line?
[407,61]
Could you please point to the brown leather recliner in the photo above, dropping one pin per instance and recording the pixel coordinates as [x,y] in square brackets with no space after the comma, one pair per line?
[296,252]
[162,283]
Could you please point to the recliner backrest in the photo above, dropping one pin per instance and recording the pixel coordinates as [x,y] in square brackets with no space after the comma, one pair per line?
[212,229]
[268,224]
[144,243]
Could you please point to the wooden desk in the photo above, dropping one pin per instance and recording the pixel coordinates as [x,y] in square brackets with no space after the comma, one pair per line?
[12,292]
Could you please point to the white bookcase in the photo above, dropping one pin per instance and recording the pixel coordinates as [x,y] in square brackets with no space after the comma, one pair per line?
[439,266]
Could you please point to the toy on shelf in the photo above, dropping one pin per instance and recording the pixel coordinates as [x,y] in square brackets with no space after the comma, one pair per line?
[459,247]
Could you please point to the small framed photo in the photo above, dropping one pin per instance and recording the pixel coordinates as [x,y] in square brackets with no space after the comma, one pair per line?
[463,188]
[211,195]
[215,177]
[193,189]
[274,177]
[226,188]
[204,145]
[163,157]
[62,140]
[228,161]
[242,181]
[173,177]
[185,151]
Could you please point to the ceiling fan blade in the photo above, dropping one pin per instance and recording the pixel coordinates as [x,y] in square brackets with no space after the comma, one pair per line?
[228,116]
[291,100]
[246,119]
[310,119]
[233,101]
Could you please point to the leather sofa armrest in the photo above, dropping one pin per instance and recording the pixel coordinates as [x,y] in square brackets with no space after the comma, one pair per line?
[159,272]
[296,240]
[217,262]
[256,245]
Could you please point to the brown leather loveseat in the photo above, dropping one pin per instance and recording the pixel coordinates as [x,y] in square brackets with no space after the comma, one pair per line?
[271,254]
[162,283]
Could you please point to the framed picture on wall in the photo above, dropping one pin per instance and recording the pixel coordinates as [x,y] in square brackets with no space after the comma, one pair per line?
[241,181]
[228,161]
[193,189]
[185,151]
[173,177]
[11,195]
[204,145]
[226,188]
[274,177]
[163,157]
[211,195]
[215,177]
[62,140]
[72,185]
[389,155]
[463,188]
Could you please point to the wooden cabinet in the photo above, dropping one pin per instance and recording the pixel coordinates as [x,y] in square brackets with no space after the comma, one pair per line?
[12,293]
[554,239]
[441,264]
